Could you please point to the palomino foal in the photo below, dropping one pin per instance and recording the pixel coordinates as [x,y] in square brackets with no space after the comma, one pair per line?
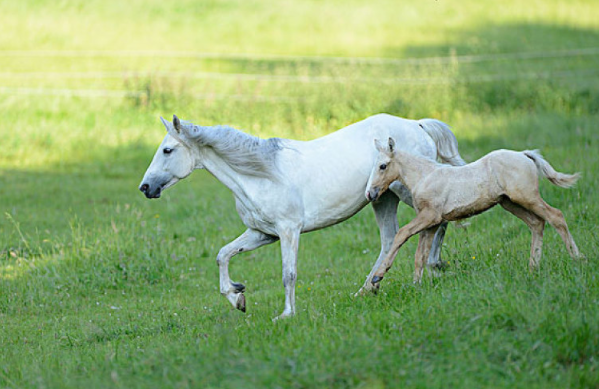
[443,193]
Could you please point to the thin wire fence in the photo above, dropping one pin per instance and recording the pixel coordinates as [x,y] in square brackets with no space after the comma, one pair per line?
[446,78]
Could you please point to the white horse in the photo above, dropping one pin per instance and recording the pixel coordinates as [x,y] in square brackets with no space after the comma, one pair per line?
[448,193]
[286,187]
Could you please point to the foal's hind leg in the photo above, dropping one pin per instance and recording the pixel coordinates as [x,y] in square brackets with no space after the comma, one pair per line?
[536,225]
[555,217]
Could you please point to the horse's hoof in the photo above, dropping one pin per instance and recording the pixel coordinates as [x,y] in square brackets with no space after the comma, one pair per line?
[438,266]
[376,279]
[282,316]
[239,287]
[241,302]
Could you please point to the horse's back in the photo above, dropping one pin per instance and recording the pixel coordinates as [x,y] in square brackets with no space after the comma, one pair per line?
[360,136]
[331,172]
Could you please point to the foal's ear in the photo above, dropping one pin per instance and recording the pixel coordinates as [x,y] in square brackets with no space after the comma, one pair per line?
[391,144]
[379,146]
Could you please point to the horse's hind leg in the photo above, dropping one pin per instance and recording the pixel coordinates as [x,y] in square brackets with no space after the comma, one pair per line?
[434,257]
[536,225]
[249,240]
[385,211]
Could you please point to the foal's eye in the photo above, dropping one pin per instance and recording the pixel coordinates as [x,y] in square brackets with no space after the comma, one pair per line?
[167,150]
[383,166]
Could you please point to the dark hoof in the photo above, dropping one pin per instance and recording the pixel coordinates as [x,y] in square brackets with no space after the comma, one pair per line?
[375,289]
[441,266]
[376,279]
[239,288]
[241,302]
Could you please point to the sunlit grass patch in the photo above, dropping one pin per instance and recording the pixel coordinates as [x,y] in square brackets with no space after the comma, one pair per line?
[102,287]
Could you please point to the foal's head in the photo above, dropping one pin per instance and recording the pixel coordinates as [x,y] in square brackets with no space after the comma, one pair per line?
[384,171]
[174,160]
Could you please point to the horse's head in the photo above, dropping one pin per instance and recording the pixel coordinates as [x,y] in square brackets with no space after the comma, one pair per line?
[174,160]
[384,171]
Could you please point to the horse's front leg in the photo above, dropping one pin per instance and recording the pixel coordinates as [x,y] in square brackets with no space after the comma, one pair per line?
[289,247]
[248,241]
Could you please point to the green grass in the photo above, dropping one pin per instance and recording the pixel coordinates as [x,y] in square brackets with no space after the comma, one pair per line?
[100,287]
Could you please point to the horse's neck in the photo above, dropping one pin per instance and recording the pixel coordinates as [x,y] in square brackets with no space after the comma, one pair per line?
[413,168]
[219,168]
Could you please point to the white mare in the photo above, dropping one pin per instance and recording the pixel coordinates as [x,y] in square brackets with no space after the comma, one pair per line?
[286,187]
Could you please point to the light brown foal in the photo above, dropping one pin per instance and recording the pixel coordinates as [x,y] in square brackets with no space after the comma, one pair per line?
[447,193]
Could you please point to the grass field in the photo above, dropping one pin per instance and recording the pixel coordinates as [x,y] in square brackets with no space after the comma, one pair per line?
[100,287]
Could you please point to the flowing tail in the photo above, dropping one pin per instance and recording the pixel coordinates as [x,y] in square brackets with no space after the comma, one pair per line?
[447,144]
[547,171]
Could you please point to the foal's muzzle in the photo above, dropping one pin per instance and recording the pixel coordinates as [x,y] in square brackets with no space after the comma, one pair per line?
[372,194]
[151,194]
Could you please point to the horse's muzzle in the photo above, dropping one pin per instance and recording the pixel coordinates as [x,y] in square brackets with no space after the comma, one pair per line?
[151,194]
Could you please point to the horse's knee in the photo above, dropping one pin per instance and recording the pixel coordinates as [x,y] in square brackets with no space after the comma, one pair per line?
[289,278]
[222,258]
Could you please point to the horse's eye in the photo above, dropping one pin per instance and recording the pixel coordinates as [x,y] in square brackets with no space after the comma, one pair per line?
[167,150]
[383,166]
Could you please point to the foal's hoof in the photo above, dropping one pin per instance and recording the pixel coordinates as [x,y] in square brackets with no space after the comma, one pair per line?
[368,288]
[376,279]
[241,302]
[239,288]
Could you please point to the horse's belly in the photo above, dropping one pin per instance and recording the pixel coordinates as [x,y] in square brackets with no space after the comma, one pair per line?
[327,215]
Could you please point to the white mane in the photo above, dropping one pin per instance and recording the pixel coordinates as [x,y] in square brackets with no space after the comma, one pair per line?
[245,153]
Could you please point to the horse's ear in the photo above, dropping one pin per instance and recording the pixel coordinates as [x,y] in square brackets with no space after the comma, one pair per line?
[165,122]
[379,146]
[177,124]
[391,144]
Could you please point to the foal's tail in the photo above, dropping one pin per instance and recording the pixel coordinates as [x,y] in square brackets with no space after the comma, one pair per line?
[447,144]
[547,171]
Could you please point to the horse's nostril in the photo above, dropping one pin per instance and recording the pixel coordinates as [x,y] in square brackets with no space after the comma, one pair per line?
[144,188]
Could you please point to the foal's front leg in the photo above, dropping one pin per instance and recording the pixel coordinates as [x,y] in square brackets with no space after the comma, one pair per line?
[422,221]
[427,239]
[385,212]
[248,241]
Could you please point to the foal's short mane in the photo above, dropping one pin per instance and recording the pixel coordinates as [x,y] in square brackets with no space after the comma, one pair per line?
[245,153]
